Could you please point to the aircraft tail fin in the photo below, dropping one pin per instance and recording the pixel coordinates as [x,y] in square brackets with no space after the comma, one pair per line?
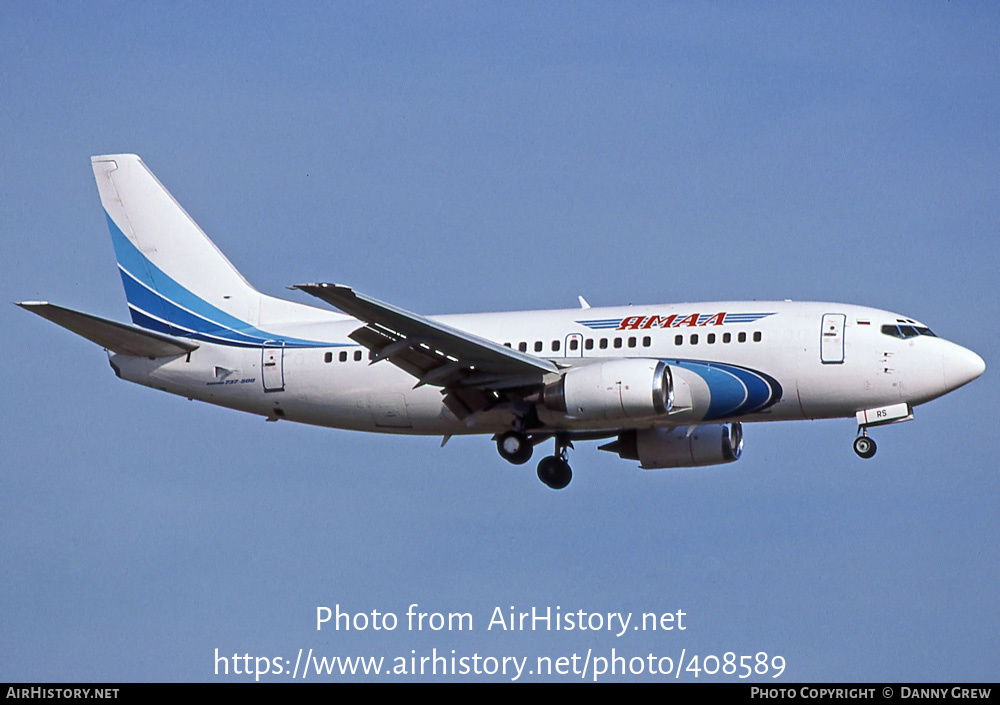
[176,280]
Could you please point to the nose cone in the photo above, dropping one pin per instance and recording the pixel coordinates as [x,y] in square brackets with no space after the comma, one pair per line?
[961,366]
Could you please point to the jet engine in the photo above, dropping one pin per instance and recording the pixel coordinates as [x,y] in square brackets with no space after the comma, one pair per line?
[675,447]
[615,390]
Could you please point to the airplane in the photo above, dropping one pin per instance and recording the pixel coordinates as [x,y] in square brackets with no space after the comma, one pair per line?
[668,385]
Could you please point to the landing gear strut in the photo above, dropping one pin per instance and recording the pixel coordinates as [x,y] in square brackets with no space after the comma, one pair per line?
[863,445]
[554,470]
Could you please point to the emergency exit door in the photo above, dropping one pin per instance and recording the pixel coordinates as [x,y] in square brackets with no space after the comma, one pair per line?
[574,345]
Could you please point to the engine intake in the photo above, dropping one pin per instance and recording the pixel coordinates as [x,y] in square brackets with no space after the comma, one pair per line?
[657,448]
[632,388]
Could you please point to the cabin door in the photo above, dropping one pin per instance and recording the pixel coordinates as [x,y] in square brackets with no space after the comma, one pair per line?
[831,345]
[272,364]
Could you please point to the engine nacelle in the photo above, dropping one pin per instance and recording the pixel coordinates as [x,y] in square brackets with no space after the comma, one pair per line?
[615,390]
[656,448]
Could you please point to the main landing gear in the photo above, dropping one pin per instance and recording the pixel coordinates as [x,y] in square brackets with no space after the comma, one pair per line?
[863,445]
[554,470]
[516,447]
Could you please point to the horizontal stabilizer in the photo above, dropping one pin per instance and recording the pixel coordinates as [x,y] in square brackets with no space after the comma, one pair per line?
[117,337]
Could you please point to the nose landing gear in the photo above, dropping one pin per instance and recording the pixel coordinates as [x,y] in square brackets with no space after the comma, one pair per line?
[863,445]
[878,416]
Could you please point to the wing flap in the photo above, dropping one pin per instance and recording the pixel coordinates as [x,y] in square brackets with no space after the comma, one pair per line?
[117,337]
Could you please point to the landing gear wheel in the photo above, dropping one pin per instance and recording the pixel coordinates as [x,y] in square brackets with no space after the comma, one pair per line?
[864,446]
[554,472]
[514,447]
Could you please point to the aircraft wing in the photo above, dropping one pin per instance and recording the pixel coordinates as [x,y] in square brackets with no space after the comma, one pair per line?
[116,337]
[433,352]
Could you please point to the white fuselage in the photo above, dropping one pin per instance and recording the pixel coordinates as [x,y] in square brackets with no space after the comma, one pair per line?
[850,366]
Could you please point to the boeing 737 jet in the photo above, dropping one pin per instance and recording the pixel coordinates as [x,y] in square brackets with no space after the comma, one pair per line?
[668,385]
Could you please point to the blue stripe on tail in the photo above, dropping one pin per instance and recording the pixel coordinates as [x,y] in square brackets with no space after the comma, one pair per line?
[157,302]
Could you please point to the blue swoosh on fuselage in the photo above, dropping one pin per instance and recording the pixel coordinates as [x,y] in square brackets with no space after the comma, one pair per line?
[734,390]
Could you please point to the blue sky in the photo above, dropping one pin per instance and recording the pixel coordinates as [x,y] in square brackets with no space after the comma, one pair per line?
[454,157]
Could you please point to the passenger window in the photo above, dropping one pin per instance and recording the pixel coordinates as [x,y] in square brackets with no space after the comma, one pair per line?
[727,337]
[343,356]
[506,345]
[756,336]
[694,339]
[357,355]
[523,347]
[574,344]
[555,346]
[678,339]
[588,344]
[646,341]
[742,337]
[631,341]
[618,342]
[328,357]
[538,346]
[711,338]
[604,344]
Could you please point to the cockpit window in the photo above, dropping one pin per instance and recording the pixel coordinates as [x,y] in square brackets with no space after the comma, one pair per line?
[906,331]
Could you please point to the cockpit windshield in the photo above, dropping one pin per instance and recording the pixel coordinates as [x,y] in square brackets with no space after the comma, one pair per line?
[905,330]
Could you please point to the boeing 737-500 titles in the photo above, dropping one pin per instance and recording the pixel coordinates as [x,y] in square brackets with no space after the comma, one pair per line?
[668,385]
